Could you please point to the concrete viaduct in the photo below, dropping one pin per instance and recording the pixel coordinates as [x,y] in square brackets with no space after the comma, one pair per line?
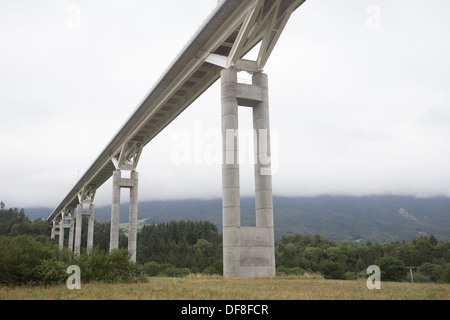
[216,51]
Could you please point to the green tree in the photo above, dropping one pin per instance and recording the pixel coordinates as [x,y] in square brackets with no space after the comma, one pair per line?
[432,271]
[333,270]
[392,269]
[312,257]
[445,275]
[215,268]
[152,269]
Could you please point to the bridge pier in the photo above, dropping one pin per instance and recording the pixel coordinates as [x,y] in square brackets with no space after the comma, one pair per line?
[54,232]
[61,233]
[90,212]
[247,251]
[71,232]
[64,223]
[132,184]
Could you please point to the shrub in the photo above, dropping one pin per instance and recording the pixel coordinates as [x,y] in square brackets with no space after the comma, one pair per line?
[392,269]
[121,269]
[333,270]
[51,271]
[151,269]
[350,276]
[176,272]
[113,267]
[445,276]
[20,260]
[282,270]
[420,277]
[216,268]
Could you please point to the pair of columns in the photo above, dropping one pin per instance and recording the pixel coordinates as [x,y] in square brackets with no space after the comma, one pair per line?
[58,230]
[59,227]
[90,212]
[127,183]
[247,251]
[118,183]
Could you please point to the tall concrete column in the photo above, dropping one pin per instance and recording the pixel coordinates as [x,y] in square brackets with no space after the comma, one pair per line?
[132,184]
[263,179]
[71,232]
[231,212]
[53,230]
[247,251]
[61,234]
[78,226]
[115,211]
[132,229]
[263,174]
[90,236]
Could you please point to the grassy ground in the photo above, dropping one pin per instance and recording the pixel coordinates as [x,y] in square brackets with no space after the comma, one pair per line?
[218,288]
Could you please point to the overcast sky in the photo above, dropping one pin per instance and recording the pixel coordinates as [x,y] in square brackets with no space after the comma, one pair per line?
[359,97]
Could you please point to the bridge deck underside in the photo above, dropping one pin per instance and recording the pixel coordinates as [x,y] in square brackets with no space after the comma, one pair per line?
[187,78]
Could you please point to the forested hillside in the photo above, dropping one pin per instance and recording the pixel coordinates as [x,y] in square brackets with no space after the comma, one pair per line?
[178,248]
[338,218]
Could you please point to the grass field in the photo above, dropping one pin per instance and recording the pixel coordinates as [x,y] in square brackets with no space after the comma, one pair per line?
[217,288]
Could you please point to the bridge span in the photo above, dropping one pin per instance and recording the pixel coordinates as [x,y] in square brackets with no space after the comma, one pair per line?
[216,51]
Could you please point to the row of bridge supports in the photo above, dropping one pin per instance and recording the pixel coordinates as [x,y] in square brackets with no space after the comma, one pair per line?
[247,251]
[67,220]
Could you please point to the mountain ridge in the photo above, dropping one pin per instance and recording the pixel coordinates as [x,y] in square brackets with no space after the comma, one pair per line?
[378,218]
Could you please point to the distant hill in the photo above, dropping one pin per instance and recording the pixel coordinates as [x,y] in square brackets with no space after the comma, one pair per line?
[337,218]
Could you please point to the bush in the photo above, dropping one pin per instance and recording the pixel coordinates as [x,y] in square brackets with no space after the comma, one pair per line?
[20,260]
[432,271]
[151,269]
[24,260]
[51,271]
[420,277]
[333,270]
[297,271]
[113,267]
[176,272]
[350,276]
[121,269]
[216,268]
[391,269]
[445,276]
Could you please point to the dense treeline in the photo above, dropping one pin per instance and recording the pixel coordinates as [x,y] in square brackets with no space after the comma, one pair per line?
[178,248]
[14,222]
[196,246]
[428,257]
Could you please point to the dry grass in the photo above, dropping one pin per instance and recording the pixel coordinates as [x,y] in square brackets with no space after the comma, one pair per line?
[217,288]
